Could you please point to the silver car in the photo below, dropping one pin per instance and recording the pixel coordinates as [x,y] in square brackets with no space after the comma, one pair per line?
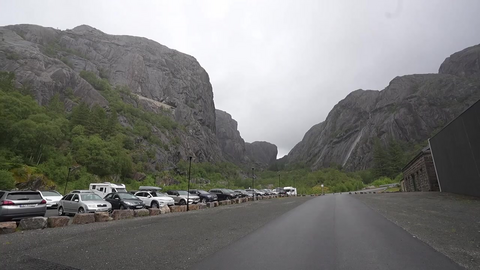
[181,196]
[52,197]
[16,205]
[82,203]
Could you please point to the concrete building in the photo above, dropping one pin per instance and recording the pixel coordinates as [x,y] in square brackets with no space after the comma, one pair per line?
[419,174]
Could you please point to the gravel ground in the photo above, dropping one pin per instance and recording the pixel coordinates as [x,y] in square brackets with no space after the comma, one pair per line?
[447,222]
[172,241]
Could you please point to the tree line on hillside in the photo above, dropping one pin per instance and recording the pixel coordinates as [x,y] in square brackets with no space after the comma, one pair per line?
[42,142]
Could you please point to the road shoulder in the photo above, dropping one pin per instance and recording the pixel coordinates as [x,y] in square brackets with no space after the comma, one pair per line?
[449,223]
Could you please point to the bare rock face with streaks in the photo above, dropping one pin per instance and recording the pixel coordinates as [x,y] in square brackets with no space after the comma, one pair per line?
[410,109]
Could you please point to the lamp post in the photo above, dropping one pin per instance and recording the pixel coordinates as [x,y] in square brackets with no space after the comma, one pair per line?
[322,188]
[253,184]
[188,186]
[278,182]
[70,169]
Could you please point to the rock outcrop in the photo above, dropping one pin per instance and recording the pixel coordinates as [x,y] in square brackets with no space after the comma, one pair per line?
[234,148]
[231,143]
[262,154]
[410,109]
[161,80]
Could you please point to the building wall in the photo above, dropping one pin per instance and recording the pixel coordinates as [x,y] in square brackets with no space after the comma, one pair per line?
[420,175]
[456,151]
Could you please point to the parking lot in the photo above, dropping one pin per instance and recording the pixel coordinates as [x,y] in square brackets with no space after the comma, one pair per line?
[172,241]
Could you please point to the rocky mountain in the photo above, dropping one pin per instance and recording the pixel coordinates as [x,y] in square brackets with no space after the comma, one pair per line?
[410,109]
[161,80]
[261,154]
[231,143]
[234,148]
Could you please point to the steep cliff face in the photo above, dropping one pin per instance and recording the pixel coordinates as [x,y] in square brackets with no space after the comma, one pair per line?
[231,143]
[236,150]
[409,109]
[261,154]
[162,80]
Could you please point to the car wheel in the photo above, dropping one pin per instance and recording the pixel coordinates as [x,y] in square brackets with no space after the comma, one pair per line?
[122,207]
[60,211]
[81,210]
[154,205]
[204,200]
[182,202]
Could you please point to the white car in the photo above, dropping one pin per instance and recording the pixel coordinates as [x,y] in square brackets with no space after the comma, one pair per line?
[52,197]
[155,199]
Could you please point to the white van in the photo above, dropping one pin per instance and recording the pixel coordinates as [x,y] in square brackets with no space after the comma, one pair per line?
[290,191]
[102,189]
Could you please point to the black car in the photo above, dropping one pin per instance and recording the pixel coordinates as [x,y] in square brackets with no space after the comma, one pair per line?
[243,193]
[124,200]
[223,194]
[204,195]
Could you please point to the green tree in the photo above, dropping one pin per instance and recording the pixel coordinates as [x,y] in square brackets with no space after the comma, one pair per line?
[381,166]
[7,181]
[80,115]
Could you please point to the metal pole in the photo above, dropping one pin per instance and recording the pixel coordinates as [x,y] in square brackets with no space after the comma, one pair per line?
[279,183]
[253,181]
[188,188]
[66,182]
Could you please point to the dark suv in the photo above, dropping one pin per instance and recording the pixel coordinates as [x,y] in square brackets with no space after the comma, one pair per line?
[223,194]
[16,205]
[204,196]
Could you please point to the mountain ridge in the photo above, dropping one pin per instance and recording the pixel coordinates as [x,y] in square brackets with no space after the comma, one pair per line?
[409,109]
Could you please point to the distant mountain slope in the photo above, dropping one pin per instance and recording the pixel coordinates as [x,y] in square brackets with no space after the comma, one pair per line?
[409,109]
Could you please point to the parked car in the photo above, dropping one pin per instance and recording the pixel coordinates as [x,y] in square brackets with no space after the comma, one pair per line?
[84,202]
[181,196]
[52,197]
[81,191]
[204,195]
[16,205]
[280,191]
[243,193]
[255,191]
[274,192]
[154,199]
[267,191]
[124,200]
[236,193]
[223,194]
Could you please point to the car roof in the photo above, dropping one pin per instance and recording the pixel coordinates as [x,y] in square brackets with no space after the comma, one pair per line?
[149,188]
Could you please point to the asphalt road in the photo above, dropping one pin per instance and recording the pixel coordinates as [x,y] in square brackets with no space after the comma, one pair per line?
[328,232]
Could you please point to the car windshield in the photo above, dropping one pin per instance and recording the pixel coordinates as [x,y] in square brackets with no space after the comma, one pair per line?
[126,196]
[90,197]
[51,193]
[203,192]
[181,192]
[157,194]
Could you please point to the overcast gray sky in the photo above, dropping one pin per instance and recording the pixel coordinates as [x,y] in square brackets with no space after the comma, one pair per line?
[278,67]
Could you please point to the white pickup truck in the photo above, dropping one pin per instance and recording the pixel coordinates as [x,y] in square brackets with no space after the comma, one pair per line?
[154,199]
